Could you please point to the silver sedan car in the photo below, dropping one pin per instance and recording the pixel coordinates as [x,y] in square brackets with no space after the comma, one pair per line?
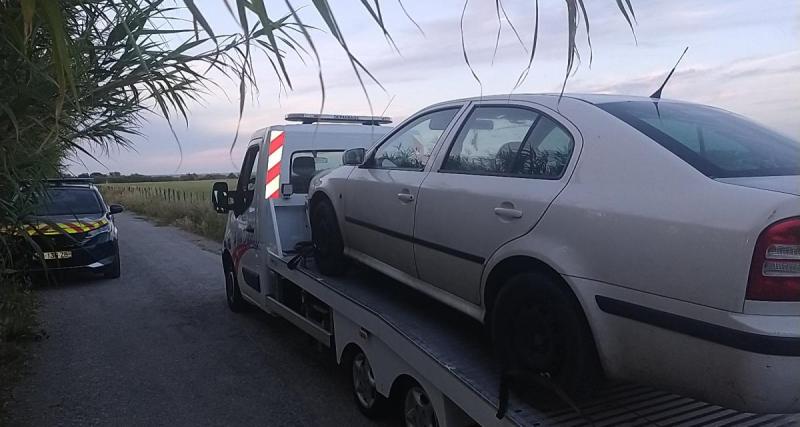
[643,239]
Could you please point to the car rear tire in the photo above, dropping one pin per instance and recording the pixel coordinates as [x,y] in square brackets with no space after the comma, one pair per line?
[539,329]
[113,270]
[328,243]
[233,295]
[369,401]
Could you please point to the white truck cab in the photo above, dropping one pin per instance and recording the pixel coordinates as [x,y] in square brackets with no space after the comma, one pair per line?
[276,171]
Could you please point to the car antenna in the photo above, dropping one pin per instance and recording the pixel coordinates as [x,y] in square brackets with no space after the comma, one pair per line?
[657,94]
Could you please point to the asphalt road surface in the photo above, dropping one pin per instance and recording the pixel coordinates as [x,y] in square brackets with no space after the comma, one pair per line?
[158,346]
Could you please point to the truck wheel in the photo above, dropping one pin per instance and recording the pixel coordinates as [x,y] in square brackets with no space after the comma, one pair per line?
[417,408]
[234,297]
[539,329]
[113,270]
[369,401]
[328,243]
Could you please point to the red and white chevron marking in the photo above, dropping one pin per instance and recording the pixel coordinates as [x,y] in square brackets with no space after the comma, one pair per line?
[276,138]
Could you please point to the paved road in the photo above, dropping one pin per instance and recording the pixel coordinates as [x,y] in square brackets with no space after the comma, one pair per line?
[159,347]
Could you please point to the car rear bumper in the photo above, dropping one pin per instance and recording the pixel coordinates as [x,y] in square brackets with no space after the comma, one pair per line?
[739,361]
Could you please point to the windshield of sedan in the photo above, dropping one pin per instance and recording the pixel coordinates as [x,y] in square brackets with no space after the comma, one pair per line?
[717,143]
[70,201]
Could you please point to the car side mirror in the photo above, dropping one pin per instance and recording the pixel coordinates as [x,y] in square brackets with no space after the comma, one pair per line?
[354,156]
[115,209]
[221,199]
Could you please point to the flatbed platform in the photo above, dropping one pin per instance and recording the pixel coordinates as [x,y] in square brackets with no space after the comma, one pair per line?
[451,351]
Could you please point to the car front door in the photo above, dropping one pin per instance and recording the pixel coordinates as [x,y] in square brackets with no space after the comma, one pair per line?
[380,196]
[245,253]
[491,185]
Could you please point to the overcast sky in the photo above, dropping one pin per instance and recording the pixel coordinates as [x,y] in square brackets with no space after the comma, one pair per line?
[744,56]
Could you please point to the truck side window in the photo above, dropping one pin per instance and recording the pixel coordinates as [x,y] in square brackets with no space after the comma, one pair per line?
[246,185]
[411,146]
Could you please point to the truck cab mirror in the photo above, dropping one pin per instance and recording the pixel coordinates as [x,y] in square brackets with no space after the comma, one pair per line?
[354,156]
[115,209]
[221,199]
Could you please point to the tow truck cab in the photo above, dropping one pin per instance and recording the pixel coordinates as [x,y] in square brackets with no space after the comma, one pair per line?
[273,182]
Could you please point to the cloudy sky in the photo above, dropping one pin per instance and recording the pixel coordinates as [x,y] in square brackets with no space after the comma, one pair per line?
[744,56]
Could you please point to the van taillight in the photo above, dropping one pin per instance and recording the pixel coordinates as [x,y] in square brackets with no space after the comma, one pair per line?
[775,270]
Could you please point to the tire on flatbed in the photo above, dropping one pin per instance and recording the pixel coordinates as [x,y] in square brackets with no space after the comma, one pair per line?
[539,329]
[328,242]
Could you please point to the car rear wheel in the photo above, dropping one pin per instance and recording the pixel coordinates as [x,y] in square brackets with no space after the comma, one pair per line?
[539,329]
[233,295]
[113,270]
[328,243]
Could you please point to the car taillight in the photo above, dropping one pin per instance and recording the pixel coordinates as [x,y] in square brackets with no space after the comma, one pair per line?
[775,270]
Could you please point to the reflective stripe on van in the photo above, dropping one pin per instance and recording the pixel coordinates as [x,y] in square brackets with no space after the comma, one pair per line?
[274,164]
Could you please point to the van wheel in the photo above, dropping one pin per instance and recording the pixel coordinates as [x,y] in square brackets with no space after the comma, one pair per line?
[417,408]
[232,293]
[328,243]
[539,330]
[113,270]
[369,401]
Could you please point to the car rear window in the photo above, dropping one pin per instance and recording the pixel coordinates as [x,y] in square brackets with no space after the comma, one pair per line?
[70,201]
[717,143]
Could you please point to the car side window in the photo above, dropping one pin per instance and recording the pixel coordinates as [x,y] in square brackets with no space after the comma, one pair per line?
[510,141]
[412,145]
[246,185]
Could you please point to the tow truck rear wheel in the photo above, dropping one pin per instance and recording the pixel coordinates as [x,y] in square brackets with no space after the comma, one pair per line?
[232,293]
[328,243]
[541,336]
[417,408]
[369,401]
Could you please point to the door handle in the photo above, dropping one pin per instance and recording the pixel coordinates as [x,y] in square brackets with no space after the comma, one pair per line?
[405,197]
[508,212]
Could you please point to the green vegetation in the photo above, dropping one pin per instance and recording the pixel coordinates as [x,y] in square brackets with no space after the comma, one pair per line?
[185,204]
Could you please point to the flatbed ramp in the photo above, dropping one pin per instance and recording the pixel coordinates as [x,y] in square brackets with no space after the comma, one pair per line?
[449,350]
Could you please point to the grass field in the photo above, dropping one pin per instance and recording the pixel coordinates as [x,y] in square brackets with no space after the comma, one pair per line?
[185,204]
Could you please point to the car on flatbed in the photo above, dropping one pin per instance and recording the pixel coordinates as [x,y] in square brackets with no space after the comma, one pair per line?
[74,229]
[650,240]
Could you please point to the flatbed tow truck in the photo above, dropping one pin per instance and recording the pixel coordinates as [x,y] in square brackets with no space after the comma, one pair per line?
[411,341]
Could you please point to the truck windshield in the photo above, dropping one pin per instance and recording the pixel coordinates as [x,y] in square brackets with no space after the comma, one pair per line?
[717,143]
[70,201]
[306,164]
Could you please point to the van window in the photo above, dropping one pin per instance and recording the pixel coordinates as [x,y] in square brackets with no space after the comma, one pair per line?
[306,164]
[246,185]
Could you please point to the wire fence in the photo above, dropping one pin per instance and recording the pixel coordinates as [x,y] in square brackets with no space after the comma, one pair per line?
[165,193]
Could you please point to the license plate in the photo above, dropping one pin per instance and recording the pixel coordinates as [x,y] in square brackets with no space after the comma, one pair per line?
[58,255]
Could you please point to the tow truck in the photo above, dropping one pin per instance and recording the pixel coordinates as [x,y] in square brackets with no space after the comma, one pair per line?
[404,353]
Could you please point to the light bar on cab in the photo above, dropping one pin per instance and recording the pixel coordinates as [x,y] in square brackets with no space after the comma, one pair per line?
[307,118]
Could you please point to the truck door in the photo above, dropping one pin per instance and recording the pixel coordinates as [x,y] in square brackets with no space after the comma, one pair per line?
[493,183]
[246,257]
[381,195]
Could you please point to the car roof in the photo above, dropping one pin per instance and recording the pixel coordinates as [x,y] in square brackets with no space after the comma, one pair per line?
[547,98]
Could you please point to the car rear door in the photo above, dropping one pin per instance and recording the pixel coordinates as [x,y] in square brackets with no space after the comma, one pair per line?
[492,183]
[380,196]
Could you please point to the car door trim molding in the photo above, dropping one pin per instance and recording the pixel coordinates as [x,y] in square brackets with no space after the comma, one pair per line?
[747,341]
[435,246]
